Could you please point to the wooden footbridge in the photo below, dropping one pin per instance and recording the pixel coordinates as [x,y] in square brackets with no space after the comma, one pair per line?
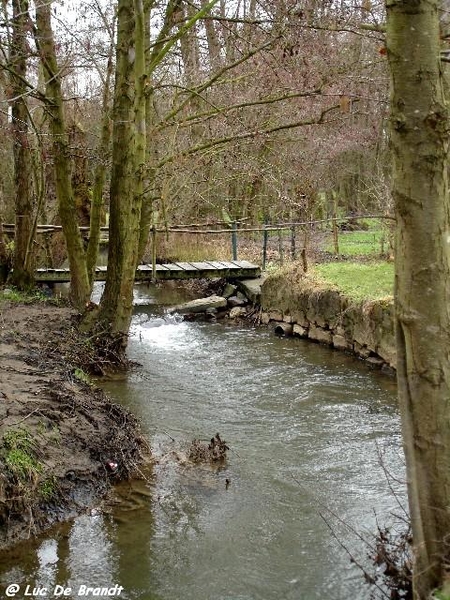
[238,269]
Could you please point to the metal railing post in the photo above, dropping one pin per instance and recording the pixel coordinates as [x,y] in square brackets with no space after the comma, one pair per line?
[234,240]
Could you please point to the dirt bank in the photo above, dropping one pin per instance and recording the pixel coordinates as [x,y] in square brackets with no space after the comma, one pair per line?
[62,442]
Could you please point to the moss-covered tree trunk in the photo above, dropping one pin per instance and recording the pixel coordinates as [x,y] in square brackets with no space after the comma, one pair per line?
[151,143]
[22,275]
[419,138]
[79,281]
[128,146]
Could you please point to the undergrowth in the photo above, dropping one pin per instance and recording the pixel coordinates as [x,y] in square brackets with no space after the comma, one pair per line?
[12,294]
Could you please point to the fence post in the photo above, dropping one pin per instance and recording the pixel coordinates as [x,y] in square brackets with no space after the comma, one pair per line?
[335,227]
[154,252]
[265,240]
[293,242]
[234,239]
[280,246]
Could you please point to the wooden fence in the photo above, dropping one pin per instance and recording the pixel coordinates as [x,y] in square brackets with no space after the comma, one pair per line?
[290,240]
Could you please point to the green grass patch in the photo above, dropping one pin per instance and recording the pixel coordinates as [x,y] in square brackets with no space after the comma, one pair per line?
[359,281]
[15,295]
[361,243]
[19,457]
[48,488]
[82,376]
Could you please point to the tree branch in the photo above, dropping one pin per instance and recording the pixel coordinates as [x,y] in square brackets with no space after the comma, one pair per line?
[247,135]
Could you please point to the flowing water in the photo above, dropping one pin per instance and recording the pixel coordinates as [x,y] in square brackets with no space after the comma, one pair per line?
[315,460]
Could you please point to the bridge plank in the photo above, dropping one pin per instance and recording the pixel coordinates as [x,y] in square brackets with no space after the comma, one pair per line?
[229,265]
[244,264]
[172,267]
[181,270]
[186,266]
[216,264]
[203,266]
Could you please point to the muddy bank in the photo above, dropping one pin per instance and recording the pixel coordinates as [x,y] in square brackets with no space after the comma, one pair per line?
[63,443]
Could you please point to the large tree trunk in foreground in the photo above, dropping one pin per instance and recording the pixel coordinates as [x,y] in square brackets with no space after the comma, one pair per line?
[128,149]
[22,276]
[419,126]
[79,281]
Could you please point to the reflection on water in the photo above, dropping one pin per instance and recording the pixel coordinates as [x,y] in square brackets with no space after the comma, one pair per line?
[310,431]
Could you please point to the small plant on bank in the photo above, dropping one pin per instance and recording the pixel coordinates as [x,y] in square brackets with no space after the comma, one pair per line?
[20,457]
[48,489]
[443,594]
[82,376]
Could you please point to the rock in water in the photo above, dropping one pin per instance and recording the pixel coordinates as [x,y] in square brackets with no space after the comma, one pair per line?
[200,305]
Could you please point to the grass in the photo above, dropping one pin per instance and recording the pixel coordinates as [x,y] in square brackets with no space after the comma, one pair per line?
[359,281]
[15,295]
[360,243]
[19,458]
[48,488]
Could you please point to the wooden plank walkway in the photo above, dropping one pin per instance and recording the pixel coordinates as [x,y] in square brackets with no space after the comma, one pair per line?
[238,269]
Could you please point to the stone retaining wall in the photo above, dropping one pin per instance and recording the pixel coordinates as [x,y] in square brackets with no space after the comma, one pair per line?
[328,317]
[307,309]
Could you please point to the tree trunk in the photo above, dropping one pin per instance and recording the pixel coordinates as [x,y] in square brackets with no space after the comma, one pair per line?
[419,132]
[79,281]
[99,177]
[212,38]
[151,144]
[22,275]
[125,204]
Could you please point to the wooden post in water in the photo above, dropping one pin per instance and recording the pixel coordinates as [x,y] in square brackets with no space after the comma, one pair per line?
[234,240]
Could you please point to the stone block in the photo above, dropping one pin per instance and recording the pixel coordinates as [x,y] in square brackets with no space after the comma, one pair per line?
[324,336]
[275,315]
[237,312]
[265,318]
[229,290]
[299,330]
[360,350]
[236,301]
[341,343]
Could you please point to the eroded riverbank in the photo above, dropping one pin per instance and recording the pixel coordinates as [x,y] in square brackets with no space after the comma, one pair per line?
[62,441]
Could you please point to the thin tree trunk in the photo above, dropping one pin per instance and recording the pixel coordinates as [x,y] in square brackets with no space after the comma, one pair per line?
[213,41]
[79,282]
[99,177]
[151,144]
[419,132]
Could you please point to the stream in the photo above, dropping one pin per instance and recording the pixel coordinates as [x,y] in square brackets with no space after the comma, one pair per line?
[315,462]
